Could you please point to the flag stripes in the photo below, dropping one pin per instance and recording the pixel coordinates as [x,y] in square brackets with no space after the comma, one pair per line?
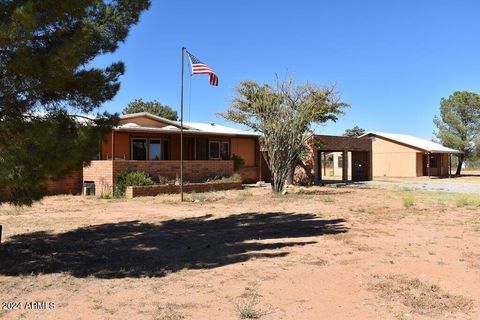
[198,67]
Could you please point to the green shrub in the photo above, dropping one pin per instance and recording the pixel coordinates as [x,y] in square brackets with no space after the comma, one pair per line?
[408,200]
[238,162]
[130,178]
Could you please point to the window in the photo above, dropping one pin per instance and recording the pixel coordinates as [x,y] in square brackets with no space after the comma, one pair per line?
[433,162]
[139,149]
[218,150]
[340,162]
[154,150]
[158,149]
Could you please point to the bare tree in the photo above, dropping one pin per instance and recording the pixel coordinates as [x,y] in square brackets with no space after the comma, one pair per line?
[284,115]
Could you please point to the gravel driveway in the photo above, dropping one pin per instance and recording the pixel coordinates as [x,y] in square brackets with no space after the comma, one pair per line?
[432,186]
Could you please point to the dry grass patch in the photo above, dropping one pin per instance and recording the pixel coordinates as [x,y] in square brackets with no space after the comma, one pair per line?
[204,197]
[420,297]
[246,305]
[168,312]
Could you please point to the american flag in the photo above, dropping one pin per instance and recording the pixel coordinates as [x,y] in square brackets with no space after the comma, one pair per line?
[198,67]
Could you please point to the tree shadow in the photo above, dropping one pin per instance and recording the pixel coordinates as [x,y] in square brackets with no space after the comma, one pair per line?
[136,249]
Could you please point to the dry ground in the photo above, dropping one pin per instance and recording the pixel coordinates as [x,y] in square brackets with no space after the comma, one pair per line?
[316,253]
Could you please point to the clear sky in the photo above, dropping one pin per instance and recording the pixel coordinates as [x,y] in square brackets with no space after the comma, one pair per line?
[391,60]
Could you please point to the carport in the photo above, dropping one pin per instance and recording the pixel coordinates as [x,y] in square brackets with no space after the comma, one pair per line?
[346,158]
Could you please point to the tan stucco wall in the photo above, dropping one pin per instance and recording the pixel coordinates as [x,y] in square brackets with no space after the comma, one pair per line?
[245,148]
[393,160]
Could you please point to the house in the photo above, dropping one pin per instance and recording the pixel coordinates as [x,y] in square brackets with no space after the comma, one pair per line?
[150,143]
[400,155]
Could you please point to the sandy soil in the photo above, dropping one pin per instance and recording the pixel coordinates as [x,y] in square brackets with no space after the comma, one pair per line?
[316,253]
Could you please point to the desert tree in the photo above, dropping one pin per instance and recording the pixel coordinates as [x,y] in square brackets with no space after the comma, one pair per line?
[459,124]
[154,107]
[285,115]
[48,86]
[356,131]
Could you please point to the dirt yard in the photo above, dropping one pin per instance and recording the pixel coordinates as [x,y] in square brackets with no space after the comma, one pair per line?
[316,253]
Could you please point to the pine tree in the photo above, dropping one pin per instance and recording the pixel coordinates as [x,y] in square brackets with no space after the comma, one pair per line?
[46,50]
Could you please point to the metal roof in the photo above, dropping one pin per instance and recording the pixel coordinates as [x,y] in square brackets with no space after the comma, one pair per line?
[412,141]
[174,126]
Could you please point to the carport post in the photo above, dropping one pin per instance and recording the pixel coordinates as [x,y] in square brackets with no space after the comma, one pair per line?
[0,234]
[345,166]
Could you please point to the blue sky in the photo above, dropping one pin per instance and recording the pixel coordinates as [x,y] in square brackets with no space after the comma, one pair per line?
[391,60]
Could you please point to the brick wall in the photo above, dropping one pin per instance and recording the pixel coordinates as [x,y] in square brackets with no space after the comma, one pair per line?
[103,172]
[72,184]
[144,191]
[248,174]
[193,170]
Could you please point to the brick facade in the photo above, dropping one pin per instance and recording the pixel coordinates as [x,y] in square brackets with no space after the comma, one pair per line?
[104,172]
[72,184]
[101,173]
[248,174]
[143,191]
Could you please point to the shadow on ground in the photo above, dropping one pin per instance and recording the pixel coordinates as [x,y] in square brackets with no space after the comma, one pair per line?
[135,249]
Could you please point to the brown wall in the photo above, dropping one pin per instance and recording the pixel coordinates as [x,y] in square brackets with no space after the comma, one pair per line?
[142,191]
[104,172]
[245,148]
[72,184]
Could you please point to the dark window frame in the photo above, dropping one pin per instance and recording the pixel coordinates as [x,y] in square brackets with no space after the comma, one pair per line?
[220,143]
[146,148]
[165,144]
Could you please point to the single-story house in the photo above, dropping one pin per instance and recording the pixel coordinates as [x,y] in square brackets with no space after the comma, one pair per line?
[400,155]
[150,143]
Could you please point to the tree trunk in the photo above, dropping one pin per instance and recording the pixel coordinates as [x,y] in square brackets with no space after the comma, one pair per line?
[291,173]
[461,159]
[278,182]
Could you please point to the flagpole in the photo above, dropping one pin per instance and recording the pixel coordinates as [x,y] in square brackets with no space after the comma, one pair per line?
[181,128]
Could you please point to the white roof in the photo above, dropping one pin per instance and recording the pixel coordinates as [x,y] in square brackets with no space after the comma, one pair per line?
[415,142]
[188,127]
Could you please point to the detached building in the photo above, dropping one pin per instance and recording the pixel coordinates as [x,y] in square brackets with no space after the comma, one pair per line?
[400,155]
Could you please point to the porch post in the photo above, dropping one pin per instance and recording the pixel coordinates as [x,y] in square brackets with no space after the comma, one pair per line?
[428,164]
[449,165]
[113,145]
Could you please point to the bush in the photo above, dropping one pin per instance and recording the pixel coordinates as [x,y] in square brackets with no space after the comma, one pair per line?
[408,200]
[238,162]
[132,178]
